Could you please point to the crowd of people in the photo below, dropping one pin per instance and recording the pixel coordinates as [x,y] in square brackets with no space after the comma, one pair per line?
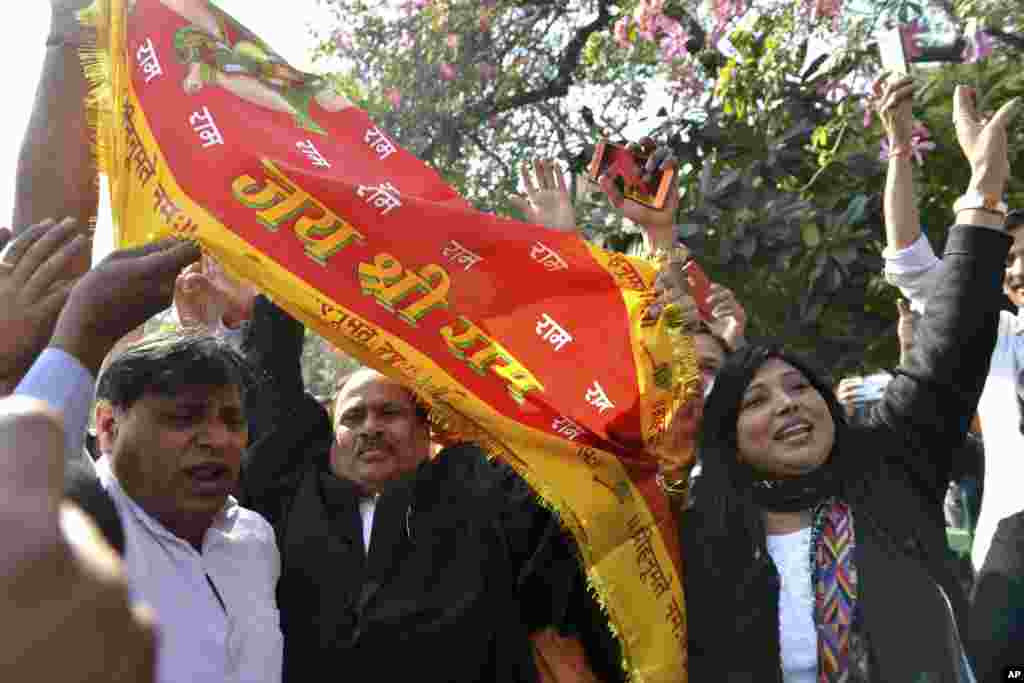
[220,523]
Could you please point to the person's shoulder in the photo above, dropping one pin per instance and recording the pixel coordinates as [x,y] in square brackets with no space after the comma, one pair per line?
[248,526]
[466,465]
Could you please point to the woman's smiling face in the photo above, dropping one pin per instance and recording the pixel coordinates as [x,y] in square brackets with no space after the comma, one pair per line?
[784,429]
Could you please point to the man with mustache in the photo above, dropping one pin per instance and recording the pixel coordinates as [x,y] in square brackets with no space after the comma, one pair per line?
[996,633]
[397,562]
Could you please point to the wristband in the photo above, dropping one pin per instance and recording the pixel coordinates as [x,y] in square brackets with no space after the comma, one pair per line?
[900,152]
[980,202]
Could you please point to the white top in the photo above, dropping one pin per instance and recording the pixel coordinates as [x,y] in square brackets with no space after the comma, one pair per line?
[367,506]
[199,641]
[912,270]
[798,637]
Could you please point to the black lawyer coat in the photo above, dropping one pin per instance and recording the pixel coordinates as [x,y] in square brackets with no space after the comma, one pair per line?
[463,565]
[895,469]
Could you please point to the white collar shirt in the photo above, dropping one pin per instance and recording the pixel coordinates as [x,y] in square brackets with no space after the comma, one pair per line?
[201,641]
[1000,414]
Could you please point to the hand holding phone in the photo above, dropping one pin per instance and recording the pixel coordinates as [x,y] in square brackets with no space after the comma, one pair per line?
[625,166]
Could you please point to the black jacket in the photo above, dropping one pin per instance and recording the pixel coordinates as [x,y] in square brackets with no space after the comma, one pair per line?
[895,469]
[463,565]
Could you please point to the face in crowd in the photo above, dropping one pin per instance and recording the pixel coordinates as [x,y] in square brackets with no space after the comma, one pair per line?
[785,428]
[173,425]
[380,433]
[710,357]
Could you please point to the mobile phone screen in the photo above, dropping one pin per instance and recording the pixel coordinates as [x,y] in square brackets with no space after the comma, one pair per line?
[627,170]
[890,49]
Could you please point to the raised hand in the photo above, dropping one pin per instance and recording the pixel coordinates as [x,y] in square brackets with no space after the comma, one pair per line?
[893,100]
[206,296]
[121,293]
[728,317]
[984,143]
[547,200]
[33,291]
[658,224]
[848,393]
[672,294]
[60,583]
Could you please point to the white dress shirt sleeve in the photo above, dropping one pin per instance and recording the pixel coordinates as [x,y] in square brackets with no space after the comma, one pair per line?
[913,269]
[61,381]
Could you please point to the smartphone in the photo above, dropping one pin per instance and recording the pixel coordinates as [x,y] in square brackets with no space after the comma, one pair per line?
[629,166]
[890,49]
[700,288]
[873,387]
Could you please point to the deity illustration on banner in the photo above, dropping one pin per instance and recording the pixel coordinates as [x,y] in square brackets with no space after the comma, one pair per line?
[220,52]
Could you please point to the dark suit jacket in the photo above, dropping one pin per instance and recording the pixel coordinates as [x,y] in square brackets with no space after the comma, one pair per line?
[463,562]
[895,469]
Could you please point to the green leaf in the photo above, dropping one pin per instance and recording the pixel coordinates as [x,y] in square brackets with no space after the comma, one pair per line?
[810,234]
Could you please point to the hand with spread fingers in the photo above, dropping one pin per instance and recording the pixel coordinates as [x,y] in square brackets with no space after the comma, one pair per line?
[728,317]
[658,224]
[121,293]
[848,393]
[62,588]
[893,100]
[547,198]
[205,295]
[33,291]
[984,142]
[672,294]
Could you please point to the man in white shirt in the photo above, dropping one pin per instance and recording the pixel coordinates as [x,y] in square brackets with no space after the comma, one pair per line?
[172,430]
[997,619]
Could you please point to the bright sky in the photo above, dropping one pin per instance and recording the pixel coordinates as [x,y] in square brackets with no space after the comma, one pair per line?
[23,40]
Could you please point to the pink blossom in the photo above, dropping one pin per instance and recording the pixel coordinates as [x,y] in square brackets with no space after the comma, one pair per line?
[868,112]
[394,97]
[979,46]
[453,41]
[448,72]
[911,44]
[686,82]
[342,40]
[673,45]
[485,22]
[826,9]
[727,10]
[405,41]
[488,72]
[621,32]
[834,91]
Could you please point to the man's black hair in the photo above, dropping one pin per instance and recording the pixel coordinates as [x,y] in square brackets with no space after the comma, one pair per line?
[166,363]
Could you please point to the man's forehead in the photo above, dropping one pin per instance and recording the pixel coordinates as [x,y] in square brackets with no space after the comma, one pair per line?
[195,393]
[369,386]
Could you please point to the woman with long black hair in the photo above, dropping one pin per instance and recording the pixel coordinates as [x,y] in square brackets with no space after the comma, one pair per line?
[816,550]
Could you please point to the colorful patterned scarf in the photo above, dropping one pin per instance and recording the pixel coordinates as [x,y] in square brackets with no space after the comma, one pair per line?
[842,647]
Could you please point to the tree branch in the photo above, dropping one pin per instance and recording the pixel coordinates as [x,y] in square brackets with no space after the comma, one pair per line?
[1013,40]
[559,85]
